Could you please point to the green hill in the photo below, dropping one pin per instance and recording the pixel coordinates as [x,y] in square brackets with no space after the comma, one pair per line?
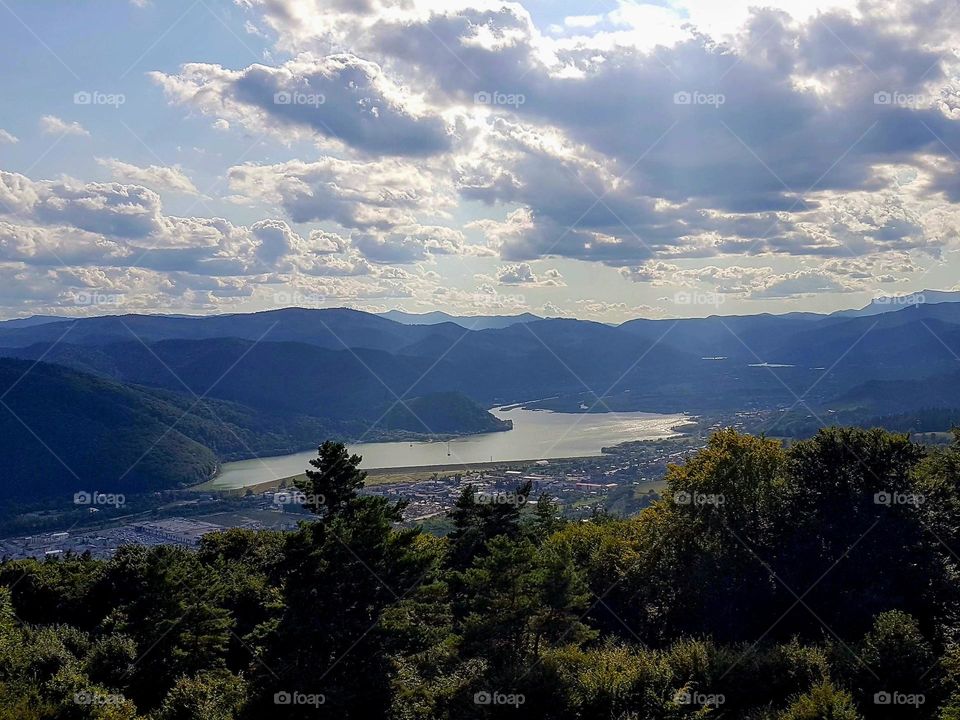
[63,431]
[454,412]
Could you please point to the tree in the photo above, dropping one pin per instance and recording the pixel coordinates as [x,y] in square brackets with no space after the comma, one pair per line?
[518,601]
[476,521]
[340,575]
[171,605]
[335,481]
[893,660]
[855,505]
[823,702]
[467,537]
[546,518]
[655,617]
[214,695]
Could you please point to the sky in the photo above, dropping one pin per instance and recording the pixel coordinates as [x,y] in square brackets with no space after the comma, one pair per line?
[603,159]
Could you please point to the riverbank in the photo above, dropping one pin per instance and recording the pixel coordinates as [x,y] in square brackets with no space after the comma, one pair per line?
[378,476]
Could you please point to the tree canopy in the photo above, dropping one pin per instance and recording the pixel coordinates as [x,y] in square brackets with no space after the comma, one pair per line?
[807,582]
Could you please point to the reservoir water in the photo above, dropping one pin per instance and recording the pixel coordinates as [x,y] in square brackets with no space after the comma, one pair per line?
[536,435]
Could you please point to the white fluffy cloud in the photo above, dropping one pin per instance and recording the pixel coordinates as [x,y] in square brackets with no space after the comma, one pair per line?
[523,274]
[764,283]
[116,239]
[377,203]
[156,177]
[338,97]
[355,194]
[52,125]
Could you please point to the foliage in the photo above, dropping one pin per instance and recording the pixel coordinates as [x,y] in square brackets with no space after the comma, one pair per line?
[812,582]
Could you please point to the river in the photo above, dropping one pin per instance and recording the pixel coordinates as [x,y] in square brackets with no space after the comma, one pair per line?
[536,435]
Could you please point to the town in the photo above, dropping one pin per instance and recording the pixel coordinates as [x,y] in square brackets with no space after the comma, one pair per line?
[622,480]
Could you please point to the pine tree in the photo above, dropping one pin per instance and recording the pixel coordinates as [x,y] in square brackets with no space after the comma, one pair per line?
[335,482]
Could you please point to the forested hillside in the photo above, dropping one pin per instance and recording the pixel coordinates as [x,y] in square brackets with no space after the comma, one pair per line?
[63,431]
[818,581]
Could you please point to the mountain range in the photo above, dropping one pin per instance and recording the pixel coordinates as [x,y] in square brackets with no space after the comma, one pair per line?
[105,389]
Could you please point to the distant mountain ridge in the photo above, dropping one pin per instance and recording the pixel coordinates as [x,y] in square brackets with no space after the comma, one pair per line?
[368,360]
[470,322]
[290,377]
[892,303]
[878,305]
[30,321]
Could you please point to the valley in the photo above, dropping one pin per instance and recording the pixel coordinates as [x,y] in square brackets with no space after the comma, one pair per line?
[480,360]
[147,404]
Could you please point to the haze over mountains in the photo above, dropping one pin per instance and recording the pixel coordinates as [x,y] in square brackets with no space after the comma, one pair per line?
[472,322]
[234,386]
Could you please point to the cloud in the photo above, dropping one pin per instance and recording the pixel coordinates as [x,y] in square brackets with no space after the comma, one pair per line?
[519,274]
[6,137]
[377,203]
[323,242]
[156,177]
[362,195]
[779,139]
[116,228]
[338,97]
[653,272]
[800,283]
[601,309]
[484,300]
[276,240]
[768,153]
[407,244]
[523,274]
[117,238]
[252,29]
[52,125]
[763,282]
[113,224]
